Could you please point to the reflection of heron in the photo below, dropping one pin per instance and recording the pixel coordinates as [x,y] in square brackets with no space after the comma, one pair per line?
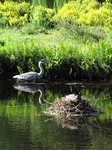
[31,88]
[31,76]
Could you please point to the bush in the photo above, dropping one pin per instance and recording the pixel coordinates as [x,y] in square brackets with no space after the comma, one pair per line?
[87,12]
[14,13]
[88,61]
[43,16]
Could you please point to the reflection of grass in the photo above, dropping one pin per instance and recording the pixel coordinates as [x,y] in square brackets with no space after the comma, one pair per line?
[27,105]
[106,106]
[21,122]
[25,109]
[19,111]
[102,100]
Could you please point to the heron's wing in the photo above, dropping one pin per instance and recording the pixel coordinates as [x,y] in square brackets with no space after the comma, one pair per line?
[29,76]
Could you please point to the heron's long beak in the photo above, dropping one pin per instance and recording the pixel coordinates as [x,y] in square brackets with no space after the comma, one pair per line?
[46,62]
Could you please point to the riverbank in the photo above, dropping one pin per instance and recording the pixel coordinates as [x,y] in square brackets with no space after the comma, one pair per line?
[74,51]
[70,54]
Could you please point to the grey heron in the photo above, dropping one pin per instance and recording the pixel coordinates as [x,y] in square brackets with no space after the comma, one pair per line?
[31,76]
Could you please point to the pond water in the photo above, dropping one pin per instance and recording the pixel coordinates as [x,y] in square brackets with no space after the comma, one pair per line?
[24,126]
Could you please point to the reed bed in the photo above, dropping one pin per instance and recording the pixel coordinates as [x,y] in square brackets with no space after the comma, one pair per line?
[74,47]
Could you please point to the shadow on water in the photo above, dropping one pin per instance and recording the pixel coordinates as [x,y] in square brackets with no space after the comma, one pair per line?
[24,126]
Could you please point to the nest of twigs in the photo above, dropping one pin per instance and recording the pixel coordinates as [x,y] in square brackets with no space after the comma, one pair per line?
[71,108]
[72,112]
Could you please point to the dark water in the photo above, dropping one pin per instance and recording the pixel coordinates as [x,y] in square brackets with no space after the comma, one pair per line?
[24,126]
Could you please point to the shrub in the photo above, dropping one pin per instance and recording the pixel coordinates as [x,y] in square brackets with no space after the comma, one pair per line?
[15,13]
[81,60]
[43,16]
[87,12]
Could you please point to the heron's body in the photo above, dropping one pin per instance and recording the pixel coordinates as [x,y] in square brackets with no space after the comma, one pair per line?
[31,76]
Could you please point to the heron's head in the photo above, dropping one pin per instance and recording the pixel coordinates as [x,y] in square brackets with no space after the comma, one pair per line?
[42,61]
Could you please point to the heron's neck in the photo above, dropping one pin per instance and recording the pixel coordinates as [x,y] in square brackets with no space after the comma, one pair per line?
[40,74]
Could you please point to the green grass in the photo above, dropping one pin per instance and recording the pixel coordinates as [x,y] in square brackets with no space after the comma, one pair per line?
[52,37]
[72,51]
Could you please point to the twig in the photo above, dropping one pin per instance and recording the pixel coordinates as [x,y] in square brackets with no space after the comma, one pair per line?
[47,102]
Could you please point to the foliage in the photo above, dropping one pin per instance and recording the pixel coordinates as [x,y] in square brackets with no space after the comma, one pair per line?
[22,104]
[100,98]
[21,113]
[85,51]
[90,60]
[43,16]
[14,13]
[87,12]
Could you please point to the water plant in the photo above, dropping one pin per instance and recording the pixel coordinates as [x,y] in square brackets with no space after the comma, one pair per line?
[85,50]
[89,61]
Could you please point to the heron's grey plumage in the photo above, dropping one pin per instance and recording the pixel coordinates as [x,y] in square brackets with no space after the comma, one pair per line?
[31,76]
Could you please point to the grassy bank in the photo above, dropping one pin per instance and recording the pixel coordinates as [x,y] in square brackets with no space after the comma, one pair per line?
[74,48]
[72,52]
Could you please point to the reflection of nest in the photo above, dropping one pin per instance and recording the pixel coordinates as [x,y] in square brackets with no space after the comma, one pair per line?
[71,113]
[74,123]
[70,108]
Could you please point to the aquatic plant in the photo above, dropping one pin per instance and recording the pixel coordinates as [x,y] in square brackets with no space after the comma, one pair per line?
[88,61]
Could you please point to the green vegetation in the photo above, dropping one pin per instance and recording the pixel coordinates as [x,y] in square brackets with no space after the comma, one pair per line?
[20,113]
[27,104]
[101,100]
[75,47]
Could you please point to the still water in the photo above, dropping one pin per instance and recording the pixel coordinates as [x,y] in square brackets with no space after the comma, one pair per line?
[24,126]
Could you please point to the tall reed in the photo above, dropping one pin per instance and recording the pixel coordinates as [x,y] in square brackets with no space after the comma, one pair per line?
[65,61]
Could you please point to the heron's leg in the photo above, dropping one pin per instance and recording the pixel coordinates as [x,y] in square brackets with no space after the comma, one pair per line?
[34,81]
